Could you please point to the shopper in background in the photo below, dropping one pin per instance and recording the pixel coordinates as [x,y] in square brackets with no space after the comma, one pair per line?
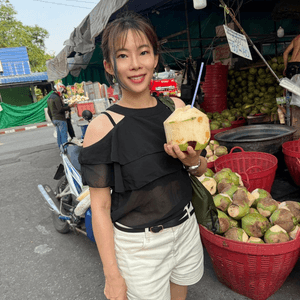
[57,111]
[143,219]
[292,67]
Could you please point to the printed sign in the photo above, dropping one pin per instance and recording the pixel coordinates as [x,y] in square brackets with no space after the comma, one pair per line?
[281,100]
[237,43]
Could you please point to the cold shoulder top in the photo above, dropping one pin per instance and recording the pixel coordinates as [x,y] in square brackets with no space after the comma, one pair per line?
[148,186]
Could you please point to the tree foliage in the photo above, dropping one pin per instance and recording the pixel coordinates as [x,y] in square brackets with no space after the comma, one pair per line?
[14,33]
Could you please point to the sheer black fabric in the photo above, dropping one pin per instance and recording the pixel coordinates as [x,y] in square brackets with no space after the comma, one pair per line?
[148,186]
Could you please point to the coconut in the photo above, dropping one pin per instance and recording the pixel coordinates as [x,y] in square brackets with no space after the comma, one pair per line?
[225,183]
[224,173]
[294,232]
[240,194]
[209,173]
[240,179]
[284,218]
[260,194]
[233,222]
[223,221]
[266,206]
[222,201]
[212,158]
[230,190]
[253,210]
[238,209]
[255,224]
[187,126]
[213,144]
[236,234]
[255,240]
[209,183]
[294,207]
[276,234]
[220,151]
[209,153]
[235,179]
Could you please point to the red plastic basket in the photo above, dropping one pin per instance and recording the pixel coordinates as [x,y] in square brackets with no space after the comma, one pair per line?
[256,271]
[291,151]
[257,169]
[211,165]
[89,105]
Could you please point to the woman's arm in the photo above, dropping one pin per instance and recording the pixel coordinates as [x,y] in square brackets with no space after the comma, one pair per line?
[115,287]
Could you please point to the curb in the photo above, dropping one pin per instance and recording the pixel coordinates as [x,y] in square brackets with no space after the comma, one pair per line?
[25,128]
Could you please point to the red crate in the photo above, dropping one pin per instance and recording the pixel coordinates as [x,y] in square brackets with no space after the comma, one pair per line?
[88,105]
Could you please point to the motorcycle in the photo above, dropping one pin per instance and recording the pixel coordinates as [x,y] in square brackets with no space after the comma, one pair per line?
[70,202]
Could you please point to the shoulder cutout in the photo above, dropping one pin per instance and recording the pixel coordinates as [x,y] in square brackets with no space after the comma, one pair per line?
[100,127]
[178,102]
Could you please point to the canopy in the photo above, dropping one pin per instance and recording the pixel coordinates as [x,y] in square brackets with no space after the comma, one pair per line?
[79,48]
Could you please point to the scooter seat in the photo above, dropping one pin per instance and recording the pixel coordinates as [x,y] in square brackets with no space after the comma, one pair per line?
[73,154]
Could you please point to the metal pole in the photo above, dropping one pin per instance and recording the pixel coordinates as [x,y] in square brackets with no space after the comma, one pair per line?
[188,30]
[245,34]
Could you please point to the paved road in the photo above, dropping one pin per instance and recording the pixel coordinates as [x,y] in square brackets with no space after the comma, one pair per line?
[38,263]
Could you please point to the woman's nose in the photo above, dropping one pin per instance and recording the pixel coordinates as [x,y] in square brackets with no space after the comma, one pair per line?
[135,63]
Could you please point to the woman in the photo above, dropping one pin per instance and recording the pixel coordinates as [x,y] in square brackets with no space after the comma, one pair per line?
[143,222]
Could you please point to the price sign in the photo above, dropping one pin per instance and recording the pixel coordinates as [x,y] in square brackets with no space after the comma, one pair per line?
[237,43]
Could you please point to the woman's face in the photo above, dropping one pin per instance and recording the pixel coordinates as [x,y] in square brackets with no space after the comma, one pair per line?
[135,62]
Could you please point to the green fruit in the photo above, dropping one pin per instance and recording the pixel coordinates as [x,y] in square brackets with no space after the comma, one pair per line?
[255,224]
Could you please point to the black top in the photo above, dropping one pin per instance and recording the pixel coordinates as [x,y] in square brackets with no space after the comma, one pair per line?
[149,187]
[56,108]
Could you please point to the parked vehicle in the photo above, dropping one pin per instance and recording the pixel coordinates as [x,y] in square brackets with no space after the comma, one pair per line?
[69,202]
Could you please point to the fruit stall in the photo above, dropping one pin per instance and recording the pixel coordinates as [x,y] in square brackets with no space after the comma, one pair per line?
[258,243]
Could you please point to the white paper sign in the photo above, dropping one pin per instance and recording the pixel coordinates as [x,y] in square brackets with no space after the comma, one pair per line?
[237,43]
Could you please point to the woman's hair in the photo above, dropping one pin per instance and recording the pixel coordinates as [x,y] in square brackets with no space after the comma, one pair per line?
[115,34]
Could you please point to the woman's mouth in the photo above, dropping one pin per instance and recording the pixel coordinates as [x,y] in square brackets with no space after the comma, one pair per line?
[137,79]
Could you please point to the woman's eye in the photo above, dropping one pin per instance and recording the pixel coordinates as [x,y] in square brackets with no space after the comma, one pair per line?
[144,52]
[121,56]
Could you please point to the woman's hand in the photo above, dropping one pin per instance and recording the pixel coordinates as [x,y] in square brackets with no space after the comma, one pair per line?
[191,158]
[115,289]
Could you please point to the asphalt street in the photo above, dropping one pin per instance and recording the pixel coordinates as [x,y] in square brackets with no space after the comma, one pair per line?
[39,263]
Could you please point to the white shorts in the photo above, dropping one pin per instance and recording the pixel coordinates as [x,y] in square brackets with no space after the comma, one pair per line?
[149,261]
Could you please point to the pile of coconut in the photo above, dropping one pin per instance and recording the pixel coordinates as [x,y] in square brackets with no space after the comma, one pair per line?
[214,151]
[250,217]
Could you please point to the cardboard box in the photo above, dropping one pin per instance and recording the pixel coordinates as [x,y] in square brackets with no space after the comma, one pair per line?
[92,90]
[220,29]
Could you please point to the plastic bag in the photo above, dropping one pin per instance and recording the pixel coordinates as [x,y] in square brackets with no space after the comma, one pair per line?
[295,98]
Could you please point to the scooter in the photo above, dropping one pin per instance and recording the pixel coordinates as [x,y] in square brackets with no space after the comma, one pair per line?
[70,202]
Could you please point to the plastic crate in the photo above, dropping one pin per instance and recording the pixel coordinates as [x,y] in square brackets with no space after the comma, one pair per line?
[291,151]
[257,169]
[86,105]
[256,271]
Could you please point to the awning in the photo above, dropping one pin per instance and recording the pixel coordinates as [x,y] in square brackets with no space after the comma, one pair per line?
[33,77]
[29,78]
[79,49]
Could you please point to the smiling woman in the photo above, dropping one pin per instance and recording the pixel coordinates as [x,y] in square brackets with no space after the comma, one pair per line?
[140,192]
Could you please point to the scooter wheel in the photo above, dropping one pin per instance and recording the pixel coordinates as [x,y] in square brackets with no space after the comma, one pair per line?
[60,225]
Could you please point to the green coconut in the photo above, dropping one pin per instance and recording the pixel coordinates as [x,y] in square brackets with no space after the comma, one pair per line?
[225,183]
[236,234]
[187,126]
[235,179]
[220,151]
[230,190]
[224,173]
[255,240]
[238,209]
[259,194]
[284,218]
[209,183]
[222,201]
[266,206]
[294,208]
[294,232]
[253,210]
[209,173]
[224,221]
[276,234]
[255,224]
[213,144]
[233,222]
